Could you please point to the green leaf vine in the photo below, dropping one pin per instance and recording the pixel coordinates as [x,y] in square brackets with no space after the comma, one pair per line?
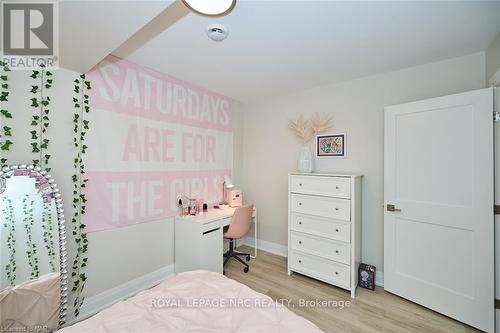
[48,234]
[5,131]
[80,127]
[40,120]
[9,224]
[33,261]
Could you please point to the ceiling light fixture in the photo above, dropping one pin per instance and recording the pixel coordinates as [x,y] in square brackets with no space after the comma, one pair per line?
[210,7]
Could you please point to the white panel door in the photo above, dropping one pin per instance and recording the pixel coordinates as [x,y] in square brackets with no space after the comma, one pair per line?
[439,248]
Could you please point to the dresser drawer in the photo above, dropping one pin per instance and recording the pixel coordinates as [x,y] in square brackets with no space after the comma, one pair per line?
[320,268]
[321,226]
[321,206]
[321,247]
[327,186]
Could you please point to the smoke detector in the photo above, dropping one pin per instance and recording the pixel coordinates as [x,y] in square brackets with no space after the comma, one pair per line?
[217,32]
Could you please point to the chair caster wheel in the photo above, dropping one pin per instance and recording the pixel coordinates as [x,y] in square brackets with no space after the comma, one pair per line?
[245,269]
[248,258]
[223,272]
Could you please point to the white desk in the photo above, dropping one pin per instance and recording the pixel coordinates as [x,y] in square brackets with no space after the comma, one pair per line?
[199,239]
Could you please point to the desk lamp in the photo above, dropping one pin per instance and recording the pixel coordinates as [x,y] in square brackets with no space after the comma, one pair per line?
[225,185]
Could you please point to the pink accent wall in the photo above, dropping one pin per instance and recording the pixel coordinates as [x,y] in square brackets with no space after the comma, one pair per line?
[146,186]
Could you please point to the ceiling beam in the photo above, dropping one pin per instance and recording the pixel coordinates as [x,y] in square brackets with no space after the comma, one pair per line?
[168,17]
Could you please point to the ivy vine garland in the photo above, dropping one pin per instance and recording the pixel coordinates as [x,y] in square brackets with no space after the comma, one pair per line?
[48,235]
[5,131]
[40,120]
[80,127]
[28,220]
[8,212]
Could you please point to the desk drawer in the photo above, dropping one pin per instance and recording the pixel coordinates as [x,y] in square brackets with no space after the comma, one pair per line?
[327,186]
[321,206]
[321,226]
[321,247]
[210,249]
[323,269]
[216,224]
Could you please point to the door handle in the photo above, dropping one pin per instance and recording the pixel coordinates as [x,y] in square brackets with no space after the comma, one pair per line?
[392,208]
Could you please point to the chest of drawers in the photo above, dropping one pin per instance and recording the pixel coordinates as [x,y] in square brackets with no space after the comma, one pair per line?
[324,227]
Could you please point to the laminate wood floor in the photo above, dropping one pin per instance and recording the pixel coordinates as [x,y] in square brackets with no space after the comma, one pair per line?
[370,311]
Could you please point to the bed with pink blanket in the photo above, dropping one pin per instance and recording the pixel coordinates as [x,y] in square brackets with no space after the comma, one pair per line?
[197,301]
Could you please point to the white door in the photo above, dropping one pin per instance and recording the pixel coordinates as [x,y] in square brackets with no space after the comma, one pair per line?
[438,174]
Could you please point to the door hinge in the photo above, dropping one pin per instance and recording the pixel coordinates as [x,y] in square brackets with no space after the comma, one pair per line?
[496,116]
[496,209]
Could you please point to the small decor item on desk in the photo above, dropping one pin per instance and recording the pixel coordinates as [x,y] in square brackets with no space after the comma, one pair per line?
[234,198]
[183,204]
[205,207]
[199,206]
[367,276]
[193,207]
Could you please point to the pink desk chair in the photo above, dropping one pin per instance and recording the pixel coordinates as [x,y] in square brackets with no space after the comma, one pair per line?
[240,224]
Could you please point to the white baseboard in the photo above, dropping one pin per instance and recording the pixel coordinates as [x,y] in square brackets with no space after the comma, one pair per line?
[94,304]
[270,247]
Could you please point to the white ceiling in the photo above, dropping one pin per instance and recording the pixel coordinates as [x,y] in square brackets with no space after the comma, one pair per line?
[277,47]
[90,30]
[282,46]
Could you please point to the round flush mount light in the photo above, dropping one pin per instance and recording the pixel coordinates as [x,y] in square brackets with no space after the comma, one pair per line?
[210,7]
[217,32]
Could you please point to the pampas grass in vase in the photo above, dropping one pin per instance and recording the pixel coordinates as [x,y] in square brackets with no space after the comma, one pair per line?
[304,130]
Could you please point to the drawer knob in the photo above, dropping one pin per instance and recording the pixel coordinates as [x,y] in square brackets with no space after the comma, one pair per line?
[337,251]
[300,222]
[336,209]
[300,261]
[336,230]
[336,187]
[300,184]
[336,273]
[300,203]
[300,242]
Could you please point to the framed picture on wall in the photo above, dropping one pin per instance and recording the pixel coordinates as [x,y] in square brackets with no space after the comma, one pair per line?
[331,145]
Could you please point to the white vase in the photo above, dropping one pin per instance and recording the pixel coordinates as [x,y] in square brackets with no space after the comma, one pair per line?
[305,160]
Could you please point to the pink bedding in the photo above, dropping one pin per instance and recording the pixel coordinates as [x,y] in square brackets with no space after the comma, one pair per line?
[197,301]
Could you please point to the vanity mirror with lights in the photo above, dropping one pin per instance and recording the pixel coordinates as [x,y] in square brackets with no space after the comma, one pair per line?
[33,274]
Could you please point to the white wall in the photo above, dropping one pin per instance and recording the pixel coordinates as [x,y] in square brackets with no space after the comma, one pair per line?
[238,152]
[493,58]
[270,150]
